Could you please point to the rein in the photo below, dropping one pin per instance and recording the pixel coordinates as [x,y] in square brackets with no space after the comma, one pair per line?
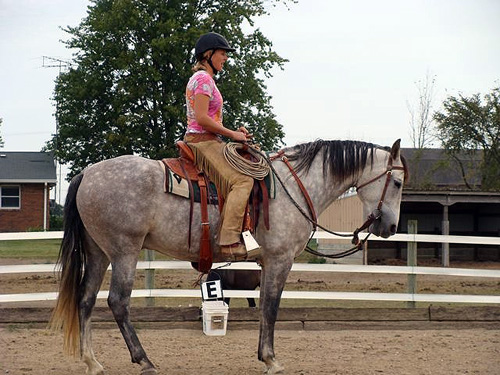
[376,214]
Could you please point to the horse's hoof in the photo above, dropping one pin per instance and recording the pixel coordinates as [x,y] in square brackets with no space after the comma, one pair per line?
[275,368]
[149,371]
[96,370]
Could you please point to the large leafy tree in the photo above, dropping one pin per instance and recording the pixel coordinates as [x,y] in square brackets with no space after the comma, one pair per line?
[468,124]
[124,92]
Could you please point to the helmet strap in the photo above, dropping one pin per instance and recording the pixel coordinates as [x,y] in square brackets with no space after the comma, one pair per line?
[210,62]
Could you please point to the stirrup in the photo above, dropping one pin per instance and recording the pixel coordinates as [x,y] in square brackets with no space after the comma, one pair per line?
[249,241]
[254,254]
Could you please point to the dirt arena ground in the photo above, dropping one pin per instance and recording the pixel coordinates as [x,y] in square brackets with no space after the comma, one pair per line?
[187,352]
[402,350]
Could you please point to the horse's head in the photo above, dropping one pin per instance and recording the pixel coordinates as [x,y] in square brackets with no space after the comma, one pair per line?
[380,188]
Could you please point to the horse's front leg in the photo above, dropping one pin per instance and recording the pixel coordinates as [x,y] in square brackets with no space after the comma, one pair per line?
[273,278]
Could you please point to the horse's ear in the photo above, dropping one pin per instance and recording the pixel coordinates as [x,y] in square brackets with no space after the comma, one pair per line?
[395,149]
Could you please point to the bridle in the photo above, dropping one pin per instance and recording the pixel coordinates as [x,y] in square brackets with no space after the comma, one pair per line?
[377,213]
[372,217]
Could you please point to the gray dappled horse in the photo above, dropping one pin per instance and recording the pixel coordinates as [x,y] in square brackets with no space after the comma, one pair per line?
[117,207]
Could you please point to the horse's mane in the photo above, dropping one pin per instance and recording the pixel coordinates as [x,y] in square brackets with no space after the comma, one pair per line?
[341,158]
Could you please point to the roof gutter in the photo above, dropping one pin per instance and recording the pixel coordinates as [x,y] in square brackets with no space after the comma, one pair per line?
[27,181]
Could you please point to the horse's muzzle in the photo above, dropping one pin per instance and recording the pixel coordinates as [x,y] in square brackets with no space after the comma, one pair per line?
[379,229]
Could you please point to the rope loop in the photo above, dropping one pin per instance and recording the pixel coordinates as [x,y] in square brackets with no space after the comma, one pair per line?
[257,168]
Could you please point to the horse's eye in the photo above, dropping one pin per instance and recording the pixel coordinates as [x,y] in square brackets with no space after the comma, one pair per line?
[398,184]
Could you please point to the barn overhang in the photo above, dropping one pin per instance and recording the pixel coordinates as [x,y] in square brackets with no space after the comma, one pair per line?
[450,197]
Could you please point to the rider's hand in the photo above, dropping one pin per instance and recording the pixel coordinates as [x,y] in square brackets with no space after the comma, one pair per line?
[243,130]
[239,136]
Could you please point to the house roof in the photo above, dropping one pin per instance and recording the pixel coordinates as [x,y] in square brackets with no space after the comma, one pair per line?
[27,167]
[434,169]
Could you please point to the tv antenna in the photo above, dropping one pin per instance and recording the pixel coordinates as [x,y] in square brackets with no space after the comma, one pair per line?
[52,62]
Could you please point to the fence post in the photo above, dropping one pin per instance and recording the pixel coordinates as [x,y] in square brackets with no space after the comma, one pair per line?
[411,260]
[149,255]
[445,247]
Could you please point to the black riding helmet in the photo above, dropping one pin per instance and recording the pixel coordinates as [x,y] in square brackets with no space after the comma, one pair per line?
[211,42]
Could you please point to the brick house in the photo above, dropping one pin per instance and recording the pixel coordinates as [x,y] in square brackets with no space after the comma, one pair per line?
[25,182]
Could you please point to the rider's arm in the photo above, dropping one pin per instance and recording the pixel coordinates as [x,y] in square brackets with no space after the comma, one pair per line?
[201,102]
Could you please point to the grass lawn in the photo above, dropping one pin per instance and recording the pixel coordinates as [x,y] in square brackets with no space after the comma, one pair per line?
[42,250]
[48,250]
[30,249]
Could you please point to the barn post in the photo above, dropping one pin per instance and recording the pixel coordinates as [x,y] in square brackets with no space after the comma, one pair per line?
[365,253]
[411,261]
[149,255]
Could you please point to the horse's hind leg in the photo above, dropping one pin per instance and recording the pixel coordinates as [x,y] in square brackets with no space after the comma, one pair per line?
[95,268]
[122,280]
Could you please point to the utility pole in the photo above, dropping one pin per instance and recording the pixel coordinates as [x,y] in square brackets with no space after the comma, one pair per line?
[52,62]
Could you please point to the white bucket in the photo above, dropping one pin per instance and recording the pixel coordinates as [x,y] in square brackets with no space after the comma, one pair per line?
[214,317]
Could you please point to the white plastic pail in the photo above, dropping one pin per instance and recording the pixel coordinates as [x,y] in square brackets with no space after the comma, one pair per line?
[214,317]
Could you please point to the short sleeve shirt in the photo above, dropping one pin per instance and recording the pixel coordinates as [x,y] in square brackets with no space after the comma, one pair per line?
[202,83]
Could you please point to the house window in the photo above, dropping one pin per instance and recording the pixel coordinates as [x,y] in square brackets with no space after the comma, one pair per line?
[10,197]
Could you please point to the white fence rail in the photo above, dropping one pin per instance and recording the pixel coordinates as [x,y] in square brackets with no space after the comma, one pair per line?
[189,293]
[399,237]
[304,267]
[352,296]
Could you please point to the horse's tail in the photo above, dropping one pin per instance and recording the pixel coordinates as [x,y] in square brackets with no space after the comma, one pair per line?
[71,260]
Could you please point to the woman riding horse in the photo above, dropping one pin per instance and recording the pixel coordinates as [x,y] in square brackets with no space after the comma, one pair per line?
[204,126]
[118,207]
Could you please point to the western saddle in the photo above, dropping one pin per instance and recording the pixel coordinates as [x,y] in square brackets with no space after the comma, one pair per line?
[184,166]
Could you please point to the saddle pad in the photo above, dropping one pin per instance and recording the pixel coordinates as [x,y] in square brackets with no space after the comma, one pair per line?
[177,185]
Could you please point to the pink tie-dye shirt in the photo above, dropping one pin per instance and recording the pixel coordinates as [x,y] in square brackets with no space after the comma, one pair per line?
[202,83]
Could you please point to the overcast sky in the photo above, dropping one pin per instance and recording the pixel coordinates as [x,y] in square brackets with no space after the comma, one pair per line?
[352,70]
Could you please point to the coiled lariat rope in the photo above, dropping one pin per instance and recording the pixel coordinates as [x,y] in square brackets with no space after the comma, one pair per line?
[257,168]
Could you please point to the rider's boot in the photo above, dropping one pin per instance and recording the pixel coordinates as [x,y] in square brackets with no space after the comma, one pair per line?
[238,251]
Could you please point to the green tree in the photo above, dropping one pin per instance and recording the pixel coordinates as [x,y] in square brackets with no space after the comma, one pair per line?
[468,124]
[56,216]
[125,92]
